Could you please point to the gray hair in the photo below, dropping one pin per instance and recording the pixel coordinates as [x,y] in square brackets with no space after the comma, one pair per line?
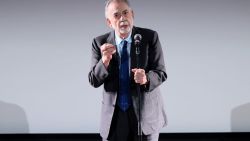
[110,1]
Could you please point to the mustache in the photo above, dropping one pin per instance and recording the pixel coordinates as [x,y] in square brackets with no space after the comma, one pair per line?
[124,22]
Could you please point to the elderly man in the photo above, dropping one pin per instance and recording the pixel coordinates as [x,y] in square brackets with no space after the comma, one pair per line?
[114,65]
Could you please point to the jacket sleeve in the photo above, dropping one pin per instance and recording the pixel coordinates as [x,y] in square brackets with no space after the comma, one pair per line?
[98,72]
[156,74]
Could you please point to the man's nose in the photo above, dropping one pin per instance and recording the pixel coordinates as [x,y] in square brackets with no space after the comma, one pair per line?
[122,18]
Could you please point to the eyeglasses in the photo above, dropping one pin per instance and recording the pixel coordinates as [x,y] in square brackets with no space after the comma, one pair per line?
[125,13]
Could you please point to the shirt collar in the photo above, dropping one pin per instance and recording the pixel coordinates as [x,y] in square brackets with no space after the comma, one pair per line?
[118,40]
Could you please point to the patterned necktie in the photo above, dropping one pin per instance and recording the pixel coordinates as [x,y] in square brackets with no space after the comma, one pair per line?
[124,98]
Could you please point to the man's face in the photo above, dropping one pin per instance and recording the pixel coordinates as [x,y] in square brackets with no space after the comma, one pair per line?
[120,17]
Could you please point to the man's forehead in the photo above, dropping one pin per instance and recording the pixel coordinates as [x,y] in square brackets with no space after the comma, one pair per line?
[118,10]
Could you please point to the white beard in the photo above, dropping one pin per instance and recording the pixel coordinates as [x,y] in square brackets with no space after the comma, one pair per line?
[125,30]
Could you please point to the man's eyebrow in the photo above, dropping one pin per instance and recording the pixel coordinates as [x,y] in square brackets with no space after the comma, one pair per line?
[115,12]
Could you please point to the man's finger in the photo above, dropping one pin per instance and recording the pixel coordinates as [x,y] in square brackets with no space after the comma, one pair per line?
[134,70]
[107,46]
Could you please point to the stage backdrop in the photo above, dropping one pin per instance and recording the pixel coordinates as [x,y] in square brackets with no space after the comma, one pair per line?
[45,51]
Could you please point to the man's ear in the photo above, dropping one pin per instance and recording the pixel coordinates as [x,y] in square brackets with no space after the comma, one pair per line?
[108,23]
[133,14]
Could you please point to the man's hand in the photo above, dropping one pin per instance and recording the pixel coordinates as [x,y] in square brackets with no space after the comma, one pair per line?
[140,76]
[107,51]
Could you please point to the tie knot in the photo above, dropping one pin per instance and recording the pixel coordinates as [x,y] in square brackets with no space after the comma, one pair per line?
[124,43]
[124,52]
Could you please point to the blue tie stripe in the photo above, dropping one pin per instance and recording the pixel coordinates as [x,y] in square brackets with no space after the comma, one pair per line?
[124,98]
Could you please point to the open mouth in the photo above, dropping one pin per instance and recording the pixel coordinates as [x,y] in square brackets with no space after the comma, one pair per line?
[123,26]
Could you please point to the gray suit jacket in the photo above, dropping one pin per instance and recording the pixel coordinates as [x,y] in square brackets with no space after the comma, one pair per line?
[151,60]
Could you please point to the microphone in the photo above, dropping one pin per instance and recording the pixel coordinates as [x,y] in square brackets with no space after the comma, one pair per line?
[137,39]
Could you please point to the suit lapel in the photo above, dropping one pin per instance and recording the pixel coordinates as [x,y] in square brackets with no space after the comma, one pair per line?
[132,51]
[111,40]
